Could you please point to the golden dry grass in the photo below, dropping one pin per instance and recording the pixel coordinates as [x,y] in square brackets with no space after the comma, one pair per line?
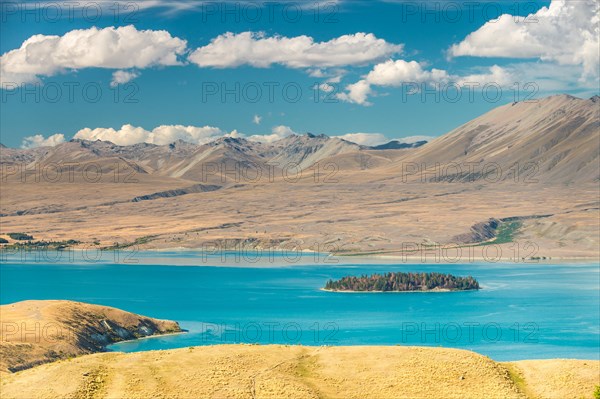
[560,378]
[275,371]
[36,332]
[249,371]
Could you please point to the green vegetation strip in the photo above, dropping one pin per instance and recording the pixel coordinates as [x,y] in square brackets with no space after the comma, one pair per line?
[505,233]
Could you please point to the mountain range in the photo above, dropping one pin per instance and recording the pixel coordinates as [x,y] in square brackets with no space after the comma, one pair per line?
[527,171]
[555,139]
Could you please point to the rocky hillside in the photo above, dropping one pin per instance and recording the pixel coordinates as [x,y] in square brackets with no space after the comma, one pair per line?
[189,161]
[36,332]
[555,139]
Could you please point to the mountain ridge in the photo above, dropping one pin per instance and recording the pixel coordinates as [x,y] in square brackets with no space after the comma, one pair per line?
[554,138]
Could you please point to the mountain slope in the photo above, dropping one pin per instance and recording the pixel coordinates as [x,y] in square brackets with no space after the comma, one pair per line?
[555,139]
[209,162]
[307,150]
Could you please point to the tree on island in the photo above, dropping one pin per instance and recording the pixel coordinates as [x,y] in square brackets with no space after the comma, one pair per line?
[403,282]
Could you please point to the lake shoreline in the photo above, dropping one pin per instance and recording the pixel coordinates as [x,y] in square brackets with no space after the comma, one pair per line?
[395,257]
[266,258]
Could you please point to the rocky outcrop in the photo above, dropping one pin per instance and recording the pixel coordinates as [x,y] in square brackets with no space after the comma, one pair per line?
[197,188]
[37,332]
[480,232]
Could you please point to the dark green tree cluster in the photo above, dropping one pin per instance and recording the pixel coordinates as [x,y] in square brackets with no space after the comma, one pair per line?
[403,282]
[20,236]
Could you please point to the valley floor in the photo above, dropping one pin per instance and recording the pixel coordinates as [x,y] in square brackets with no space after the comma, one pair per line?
[407,221]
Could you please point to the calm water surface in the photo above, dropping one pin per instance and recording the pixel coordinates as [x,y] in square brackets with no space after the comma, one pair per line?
[523,311]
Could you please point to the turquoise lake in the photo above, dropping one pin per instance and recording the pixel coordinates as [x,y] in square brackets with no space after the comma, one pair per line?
[524,311]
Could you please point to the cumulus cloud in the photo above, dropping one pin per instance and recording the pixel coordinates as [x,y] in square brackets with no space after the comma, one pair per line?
[391,74]
[166,134]
[356,93]
[39,141]
[277,133]
[161,135]
[326,87]
[332,75]
[394,73]
[567,32]
[410,73]
[113,48]
[122,77]
[494,75]
[368,139]
[231,50]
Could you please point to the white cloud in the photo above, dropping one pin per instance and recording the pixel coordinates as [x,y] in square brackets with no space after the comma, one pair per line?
[410,73]
[257,119]
[277,133]
[394,73]
[567,32]
[113,48]
[161,135]
[326,87]
[494,75]
[166,134]
[39,141]
[231,50]
[369,139]
[316,73]
[356,93]
[391,74]
[121,77]
[336,78]
[332,75]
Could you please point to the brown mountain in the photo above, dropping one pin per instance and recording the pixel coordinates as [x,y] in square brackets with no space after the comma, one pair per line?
[555,139]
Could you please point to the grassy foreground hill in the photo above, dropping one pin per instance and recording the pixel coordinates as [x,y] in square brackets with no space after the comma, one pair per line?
[274,371]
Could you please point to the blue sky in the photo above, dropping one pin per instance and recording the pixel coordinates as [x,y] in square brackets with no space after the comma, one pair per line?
[343,68]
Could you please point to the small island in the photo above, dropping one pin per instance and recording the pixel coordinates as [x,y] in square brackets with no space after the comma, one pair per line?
[402,282]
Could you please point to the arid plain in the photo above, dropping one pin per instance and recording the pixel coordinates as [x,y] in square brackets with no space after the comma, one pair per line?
[532,169]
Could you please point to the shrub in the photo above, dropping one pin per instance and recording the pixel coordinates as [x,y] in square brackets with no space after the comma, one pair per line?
[597,392]
[20,236]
